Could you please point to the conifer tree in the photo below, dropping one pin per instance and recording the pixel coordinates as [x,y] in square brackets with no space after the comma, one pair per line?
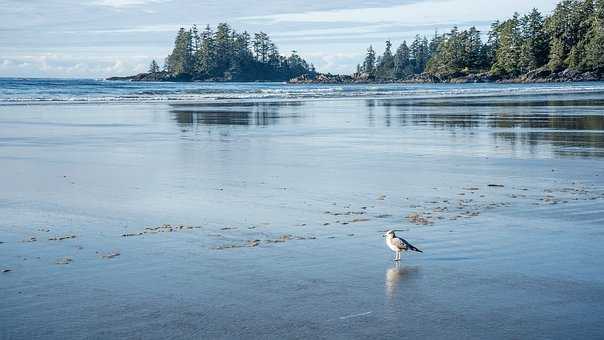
[402,66]
[180,61]
[594,49]
[420,53]
[154,69]
[262,45]
[385,67]
[507,55]
[535,44]
[567,28]
[369,63]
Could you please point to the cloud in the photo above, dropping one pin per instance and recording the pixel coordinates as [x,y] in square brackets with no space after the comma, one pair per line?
[396,34]
[61,65]
[136,29]
[427,12]
[334,62]
[125,3]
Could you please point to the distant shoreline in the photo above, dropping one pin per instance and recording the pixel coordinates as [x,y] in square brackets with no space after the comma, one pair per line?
[541,75]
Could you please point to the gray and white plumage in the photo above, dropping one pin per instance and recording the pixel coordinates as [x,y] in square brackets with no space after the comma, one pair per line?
[398,245]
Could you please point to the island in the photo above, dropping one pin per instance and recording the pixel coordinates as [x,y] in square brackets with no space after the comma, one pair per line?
[224,54]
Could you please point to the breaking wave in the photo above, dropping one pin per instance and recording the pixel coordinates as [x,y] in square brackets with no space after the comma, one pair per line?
[31,91]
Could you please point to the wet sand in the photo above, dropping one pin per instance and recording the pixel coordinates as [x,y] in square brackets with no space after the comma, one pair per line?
[264,219]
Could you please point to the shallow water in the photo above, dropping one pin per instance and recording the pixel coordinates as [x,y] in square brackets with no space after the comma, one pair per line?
[31,91]
[282,206]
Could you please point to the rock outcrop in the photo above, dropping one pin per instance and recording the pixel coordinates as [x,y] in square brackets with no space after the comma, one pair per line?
[540,75]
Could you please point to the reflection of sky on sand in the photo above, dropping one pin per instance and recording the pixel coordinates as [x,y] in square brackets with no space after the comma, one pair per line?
[233,114]
[396,276]
[530,126]
[527,266]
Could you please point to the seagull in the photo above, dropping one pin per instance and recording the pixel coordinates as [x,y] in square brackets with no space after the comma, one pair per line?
[398,244]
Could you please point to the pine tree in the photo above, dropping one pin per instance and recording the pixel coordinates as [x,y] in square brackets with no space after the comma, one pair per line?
[507,55]
[385,66]
[582,14]
[535,44]
[567,28]
[473,49]
[594,49]
[296,66]
[261,46]
[402,65]
[420,53]
[154,69]
[180,61]
[369,63]
[459,51]
[205,59]
[489,49]
[196,39]
[242,63]
[223,45]
[437,39]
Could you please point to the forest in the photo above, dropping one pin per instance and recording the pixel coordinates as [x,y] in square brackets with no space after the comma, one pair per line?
[568,44]
[226,55]
[571,38]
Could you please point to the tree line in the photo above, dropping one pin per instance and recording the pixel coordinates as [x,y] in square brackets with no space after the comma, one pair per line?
[572,37]
[227,55]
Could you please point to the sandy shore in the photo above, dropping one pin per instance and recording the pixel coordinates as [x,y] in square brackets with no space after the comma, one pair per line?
[265,220]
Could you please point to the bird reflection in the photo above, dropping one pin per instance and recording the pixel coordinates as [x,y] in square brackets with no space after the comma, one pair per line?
[395,276]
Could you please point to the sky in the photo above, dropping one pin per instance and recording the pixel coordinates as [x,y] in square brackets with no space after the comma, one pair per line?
[101,38]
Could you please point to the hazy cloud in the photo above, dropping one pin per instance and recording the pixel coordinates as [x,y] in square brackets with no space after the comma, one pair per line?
[125,3]
[427,12]
[57,65]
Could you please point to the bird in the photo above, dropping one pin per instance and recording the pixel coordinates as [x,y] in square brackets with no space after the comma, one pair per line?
[398,244]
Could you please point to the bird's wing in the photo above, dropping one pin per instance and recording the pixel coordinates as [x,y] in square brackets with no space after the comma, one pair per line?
[399,243]
[409,246]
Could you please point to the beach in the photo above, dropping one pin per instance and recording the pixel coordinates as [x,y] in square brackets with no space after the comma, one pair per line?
[262,216]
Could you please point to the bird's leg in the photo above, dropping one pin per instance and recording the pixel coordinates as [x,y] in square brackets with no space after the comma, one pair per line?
[397,257]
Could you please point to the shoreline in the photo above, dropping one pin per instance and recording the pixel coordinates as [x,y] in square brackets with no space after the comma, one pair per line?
[538,76]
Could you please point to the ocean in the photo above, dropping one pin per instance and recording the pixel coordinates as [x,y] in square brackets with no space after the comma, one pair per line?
[18,90]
